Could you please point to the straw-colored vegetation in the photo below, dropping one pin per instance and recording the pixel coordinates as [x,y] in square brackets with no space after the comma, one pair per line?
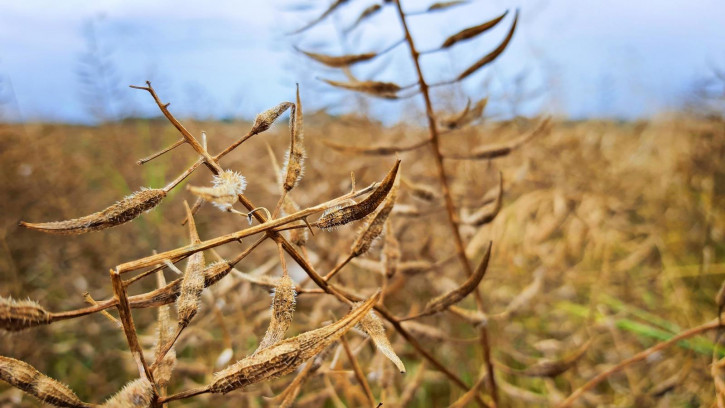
[465,263]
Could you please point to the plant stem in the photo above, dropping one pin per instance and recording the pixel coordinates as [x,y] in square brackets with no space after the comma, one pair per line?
[450,207]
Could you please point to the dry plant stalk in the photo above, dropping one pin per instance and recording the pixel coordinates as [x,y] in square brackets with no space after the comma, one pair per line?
[392,91]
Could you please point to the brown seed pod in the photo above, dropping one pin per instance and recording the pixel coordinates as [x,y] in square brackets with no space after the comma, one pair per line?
[283,307]
[421,191]
[374,227]
[445,5]
[327,12]
[227,185]
[372,150]
[123,211]
[192,284]
[466,116]
[474,317]
[373,326]
[369,11]
[471,32]
[136,394]
[17,315]
[488,58]
[442,302]
[360,210]
[169,293]
[339,61]
[295,157]
[390,256]
[488,152]
[265,119]
[386,90]
[285,356]
[553,368]
[22,375]
[486,214]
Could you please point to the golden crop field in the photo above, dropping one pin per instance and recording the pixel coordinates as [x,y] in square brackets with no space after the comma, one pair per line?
[608,241]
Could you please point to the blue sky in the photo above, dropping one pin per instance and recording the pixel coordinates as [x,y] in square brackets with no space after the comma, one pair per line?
[230,59]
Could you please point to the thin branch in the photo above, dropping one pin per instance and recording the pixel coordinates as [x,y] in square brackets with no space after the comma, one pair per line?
[642,355]
[124,311]
[359,375]
[450,207]
[160,152]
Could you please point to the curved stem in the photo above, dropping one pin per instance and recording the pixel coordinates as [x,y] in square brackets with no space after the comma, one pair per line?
[450,207]
[183,394]
[636,358]
[338,268]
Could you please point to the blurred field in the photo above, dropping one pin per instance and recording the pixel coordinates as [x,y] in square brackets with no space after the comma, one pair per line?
[625,222]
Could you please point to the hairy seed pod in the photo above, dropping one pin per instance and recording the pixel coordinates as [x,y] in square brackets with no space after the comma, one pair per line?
[295,157]
[192,284]
[136,394]
[471,32]
[285,356]
[374,227]
[339,61]
[283,307]
[227,185]
[386,90]
[123,211]
[22,375]
[265,119]
[360,210]
[373,326]
[17,315]
[170,293]
[442,302]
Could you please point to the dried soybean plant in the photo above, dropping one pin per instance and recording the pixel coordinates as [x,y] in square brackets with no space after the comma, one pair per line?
[275,355]
[438,123]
